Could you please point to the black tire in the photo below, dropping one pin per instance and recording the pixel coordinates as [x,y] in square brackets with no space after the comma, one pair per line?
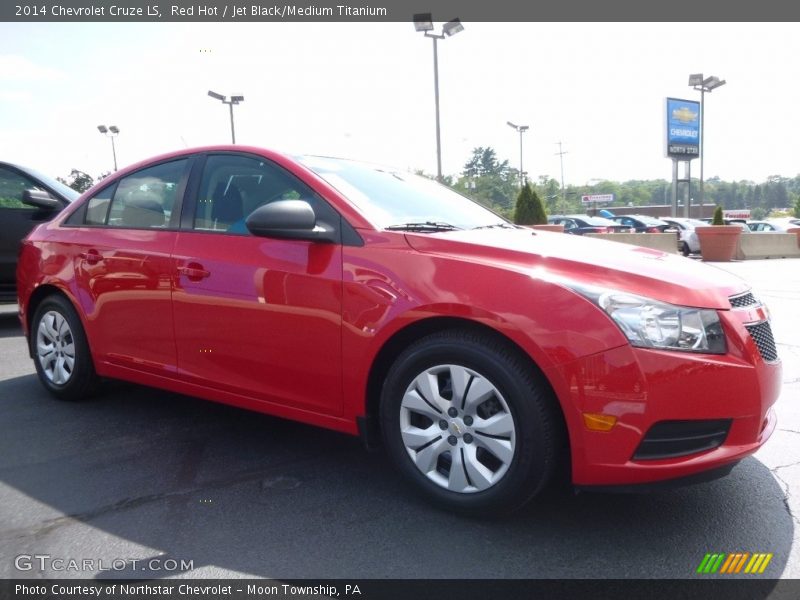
[685,250]
[76,381]
[536,440]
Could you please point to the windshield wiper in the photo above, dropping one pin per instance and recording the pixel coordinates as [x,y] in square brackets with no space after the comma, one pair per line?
[500,225]
[424,226]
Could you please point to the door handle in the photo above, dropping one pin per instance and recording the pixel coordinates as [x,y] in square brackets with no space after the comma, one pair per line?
[194,272]
[91,256]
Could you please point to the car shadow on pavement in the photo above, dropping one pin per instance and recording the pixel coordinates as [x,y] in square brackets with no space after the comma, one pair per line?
[143,474]
[9,323]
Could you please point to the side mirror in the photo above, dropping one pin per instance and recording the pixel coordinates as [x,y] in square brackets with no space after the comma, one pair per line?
[40,199]
[289,220]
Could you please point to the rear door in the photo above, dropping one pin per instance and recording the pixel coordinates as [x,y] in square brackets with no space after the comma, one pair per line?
[122,252]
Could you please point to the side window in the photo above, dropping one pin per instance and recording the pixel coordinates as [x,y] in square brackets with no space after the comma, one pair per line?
[97,207]
[145,199]
[12,184]
[233,186]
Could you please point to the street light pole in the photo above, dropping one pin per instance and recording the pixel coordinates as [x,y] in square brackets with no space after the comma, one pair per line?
[521,129]
[436,39]
[703,85]
[424,22]
[111,132]
[230,103]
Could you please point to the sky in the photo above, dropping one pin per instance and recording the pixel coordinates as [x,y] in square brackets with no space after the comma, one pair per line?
[365,91]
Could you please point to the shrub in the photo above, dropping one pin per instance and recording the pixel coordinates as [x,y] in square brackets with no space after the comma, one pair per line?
[529,209]
[718,220]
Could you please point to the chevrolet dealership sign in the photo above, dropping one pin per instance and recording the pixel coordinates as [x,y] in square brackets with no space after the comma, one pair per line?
[683,128]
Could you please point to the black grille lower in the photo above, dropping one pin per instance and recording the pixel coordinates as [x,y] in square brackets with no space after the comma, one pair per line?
[670,439]
[762,336]
[746,299]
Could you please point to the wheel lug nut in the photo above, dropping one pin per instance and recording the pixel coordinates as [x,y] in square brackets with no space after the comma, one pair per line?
[442,424]
[452,440]
[467,438]
[468,421]
[452,412]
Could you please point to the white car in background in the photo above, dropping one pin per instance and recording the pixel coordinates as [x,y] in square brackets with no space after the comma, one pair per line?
[773,225]
[688,243]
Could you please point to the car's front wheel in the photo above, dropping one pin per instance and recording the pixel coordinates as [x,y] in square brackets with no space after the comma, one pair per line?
[60,350]
[470,422]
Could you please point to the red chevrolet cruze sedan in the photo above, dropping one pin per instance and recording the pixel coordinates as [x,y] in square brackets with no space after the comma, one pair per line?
[483,356]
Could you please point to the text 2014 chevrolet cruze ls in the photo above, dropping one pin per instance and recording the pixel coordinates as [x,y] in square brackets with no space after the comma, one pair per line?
[484,356]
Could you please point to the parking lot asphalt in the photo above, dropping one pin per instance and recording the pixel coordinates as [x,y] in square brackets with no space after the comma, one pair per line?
[139,474]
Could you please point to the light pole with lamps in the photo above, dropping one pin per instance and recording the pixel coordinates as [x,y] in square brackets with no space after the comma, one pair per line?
[230,103]
[521,129]
[424,22]
[111,132]
[703,85]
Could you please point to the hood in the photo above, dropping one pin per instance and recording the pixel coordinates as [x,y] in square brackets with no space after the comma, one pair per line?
[563,258]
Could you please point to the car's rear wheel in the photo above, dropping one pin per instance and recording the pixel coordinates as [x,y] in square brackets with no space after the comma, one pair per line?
[470,422]
[60,350]
[685,250]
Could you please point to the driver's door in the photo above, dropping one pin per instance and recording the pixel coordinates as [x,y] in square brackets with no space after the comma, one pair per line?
[256,316]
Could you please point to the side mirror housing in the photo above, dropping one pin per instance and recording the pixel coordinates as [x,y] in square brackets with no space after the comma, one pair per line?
[40,199]
[289,220]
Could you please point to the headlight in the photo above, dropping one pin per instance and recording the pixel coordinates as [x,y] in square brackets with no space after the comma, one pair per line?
[648,323]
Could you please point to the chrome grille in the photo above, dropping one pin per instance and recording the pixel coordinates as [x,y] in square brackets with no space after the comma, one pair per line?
[762,336]
[746,299]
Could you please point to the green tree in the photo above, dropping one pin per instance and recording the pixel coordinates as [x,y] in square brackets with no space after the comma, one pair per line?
[489,181]
[797,208]
[484,162]
[550,191]
[718,220]
[78,181]
[529,209]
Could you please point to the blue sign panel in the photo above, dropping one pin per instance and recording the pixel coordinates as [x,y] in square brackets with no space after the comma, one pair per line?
[683,128]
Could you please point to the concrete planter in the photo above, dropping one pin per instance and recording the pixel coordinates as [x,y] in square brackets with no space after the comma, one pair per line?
[718,243]
[548,227]
[796,231]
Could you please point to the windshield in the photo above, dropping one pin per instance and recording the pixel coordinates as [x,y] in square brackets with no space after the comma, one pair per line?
[394,199]
[650,220]
[67,192]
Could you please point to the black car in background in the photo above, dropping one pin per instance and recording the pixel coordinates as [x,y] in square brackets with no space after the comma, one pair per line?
[27,198]
[582,224]
[645,224]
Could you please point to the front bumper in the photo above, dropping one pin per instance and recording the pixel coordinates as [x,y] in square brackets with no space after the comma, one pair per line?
[644,387]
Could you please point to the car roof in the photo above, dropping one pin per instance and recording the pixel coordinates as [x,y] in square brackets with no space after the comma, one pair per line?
[638,216]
